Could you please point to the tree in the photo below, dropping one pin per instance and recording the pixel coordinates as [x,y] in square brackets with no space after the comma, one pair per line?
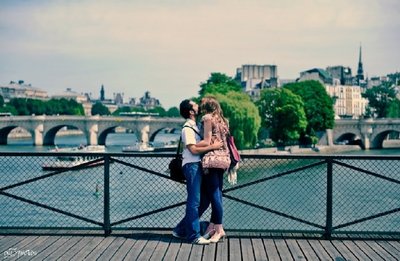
[282,113]
[173,112]
[99,109]
[244,119]
[318,105]
[20,106]
[219,83]
[380,97]
[1,101]
[241,112]
[394,109]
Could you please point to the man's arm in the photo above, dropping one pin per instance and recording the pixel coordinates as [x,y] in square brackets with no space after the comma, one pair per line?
[194,149]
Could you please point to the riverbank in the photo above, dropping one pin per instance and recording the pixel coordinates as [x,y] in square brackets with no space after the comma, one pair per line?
[296,150]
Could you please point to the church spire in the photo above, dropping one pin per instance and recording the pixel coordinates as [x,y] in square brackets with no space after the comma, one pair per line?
[360,70]
[102,98]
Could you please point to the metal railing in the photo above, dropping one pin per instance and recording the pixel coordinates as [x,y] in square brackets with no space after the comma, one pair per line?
[326,195]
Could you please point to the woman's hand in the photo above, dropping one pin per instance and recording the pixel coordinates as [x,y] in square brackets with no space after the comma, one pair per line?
[217,145]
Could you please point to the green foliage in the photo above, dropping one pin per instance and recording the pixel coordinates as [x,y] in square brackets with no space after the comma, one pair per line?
[394,109]
[380,97]
[100,109]
[8,108]
[173,112]
[282,112]
[318,105]
[243,116]
[219,83]
[38,107]
[1,101]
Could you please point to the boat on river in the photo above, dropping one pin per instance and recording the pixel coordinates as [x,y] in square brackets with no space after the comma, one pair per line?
[67,162]
[138,147]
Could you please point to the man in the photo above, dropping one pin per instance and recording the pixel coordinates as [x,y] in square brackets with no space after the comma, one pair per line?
[189,227]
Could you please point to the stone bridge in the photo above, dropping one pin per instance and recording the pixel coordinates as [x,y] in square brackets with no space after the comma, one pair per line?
[370,133]
[95,128]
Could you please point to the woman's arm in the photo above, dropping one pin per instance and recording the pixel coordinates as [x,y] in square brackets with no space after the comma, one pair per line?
[207,132]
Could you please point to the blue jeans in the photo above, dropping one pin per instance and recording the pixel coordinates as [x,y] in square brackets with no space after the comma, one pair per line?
[212,191]
[189,226]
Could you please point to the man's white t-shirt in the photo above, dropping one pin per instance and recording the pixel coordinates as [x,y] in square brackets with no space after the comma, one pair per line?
[190,137]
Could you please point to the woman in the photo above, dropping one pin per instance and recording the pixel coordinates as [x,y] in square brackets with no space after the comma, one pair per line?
[215,127]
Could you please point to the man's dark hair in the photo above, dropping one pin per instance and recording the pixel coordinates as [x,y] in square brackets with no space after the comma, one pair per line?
[184,108]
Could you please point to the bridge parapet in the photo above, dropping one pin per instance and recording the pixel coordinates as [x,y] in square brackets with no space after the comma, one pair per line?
[371,132]
[44,128]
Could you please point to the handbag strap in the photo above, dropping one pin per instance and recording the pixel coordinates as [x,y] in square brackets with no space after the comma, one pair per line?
[180,140]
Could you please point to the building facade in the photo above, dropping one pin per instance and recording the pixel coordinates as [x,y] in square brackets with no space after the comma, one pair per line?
[348,100]
[22,90]
[253,78]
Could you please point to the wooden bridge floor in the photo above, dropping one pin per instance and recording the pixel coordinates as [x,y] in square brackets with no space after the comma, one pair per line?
[162,246]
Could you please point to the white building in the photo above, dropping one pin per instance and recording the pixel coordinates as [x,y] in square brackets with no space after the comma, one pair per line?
[348,100]
[21,90]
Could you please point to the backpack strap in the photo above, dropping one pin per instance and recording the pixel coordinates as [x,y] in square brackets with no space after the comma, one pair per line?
[180,139]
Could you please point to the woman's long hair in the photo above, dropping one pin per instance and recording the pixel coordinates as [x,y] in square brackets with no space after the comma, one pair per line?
[209,104]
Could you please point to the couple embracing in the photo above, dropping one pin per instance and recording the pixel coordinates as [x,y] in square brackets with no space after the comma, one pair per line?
[203,185]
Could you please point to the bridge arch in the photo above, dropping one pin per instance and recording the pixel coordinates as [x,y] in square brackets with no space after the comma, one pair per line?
[348,138]
[377,139]
[49,135]
[4,132]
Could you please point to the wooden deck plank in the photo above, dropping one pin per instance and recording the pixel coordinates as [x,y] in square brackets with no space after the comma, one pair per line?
[395,244]
[330,249]
[258,248]
[234,249]
[100,248]
[9,242]
[164,247]
[210,251]
[356,250]
[247,249]
[344,251]
[381,251]
[41,249]
[136,249]
[222,250]
[22,245]
[271,250]
[197,252]
[173,249]
[390,249]
[124,249]
[161,249]
[65,248]
[184,251]
[372,251]
[295,250]
[283,250]
[318,249]
[308,251]
[51,248]
[87,249]
[109,252]
[151,245]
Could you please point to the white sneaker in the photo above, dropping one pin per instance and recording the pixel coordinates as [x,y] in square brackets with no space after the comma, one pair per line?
[201,241]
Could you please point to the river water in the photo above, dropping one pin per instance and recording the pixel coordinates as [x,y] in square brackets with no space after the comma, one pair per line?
[134,192]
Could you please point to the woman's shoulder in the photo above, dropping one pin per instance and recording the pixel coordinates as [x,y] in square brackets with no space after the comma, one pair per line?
[207,117]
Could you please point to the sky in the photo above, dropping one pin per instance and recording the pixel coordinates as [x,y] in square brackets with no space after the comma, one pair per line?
[169,47]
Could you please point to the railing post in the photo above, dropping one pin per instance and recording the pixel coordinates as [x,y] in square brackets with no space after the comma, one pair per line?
[329,199]
[107,226]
